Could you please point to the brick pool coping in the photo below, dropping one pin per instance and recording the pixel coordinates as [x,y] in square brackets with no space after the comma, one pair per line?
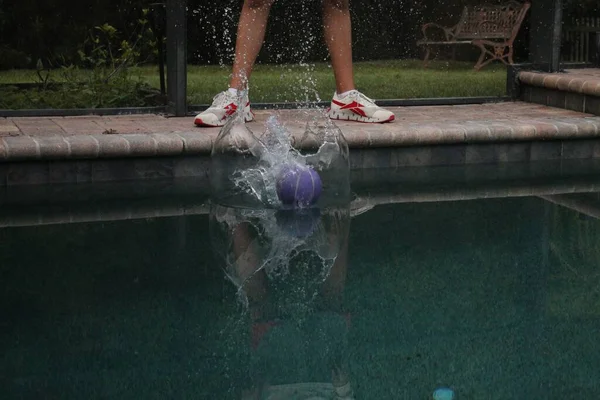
[583,81]
[98,137]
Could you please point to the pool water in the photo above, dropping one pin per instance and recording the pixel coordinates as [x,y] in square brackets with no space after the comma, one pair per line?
[493,298]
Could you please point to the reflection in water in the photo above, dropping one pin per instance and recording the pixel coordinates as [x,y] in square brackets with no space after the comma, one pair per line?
[289,269]
[496,299]
[574,255]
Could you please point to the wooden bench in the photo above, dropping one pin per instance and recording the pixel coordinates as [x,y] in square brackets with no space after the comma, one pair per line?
[492,28]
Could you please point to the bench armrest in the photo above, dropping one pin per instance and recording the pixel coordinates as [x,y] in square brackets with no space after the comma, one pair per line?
[448,32]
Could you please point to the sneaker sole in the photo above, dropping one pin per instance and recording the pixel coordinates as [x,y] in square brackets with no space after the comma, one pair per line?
[358,118]
[198,121]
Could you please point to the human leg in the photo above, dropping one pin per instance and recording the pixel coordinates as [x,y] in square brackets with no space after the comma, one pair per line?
[338,37]
[348,103]
[250,36]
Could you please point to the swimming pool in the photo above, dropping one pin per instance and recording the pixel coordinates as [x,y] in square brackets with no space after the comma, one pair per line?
[493,292]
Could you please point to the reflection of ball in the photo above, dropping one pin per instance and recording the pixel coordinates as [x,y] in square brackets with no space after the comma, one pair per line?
[298,185]
[298,223]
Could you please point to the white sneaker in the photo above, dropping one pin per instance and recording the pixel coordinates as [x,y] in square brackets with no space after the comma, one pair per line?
[355,106]
[224,106]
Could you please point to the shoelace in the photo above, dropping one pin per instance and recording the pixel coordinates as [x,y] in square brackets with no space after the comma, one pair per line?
[356,93]
[222,99]
[369,100]
[225,98]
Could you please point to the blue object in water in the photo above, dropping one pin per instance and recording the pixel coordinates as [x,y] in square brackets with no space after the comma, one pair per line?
[443,394]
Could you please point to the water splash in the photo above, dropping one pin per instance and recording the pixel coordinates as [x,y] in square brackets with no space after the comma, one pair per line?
[245,167]
[252,231]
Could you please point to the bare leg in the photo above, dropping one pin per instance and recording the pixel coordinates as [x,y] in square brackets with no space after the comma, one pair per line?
[338,37]
[250,37]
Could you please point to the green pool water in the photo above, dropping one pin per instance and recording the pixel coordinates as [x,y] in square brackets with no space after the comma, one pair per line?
[494,298]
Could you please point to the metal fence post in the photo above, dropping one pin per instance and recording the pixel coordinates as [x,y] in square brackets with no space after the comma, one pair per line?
[595,48]
[545,34]
[177,57]
[513,89]
[157,22]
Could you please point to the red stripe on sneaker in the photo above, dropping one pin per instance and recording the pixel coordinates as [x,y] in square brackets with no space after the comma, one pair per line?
[354,107]
[230,110]
[358,111]
[199,122]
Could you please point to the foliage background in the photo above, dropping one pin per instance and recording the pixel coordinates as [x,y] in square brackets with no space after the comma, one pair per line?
[383,29]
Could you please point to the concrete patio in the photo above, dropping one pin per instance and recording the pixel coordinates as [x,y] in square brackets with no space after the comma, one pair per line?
[40,138]
[36,150]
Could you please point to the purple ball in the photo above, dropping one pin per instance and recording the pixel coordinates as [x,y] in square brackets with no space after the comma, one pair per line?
[299,186]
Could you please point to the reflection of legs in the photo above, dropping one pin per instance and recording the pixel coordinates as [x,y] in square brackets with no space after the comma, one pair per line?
[333,287]
[247,263]
[326,329]
[250,37]
[254,285]
[338,36]
[333,294]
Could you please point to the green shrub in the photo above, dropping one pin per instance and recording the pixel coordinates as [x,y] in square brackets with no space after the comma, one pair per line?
[13,59]
[106,81]
[115,93]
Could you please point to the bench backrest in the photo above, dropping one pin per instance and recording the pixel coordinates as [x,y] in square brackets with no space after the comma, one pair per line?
[491,21]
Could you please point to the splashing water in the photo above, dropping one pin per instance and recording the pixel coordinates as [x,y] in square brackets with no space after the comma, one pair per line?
[245,167]
[277,154]
[252,231]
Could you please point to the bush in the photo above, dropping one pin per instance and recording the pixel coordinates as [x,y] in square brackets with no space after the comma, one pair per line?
[106,82]
[13,59]
[116,93]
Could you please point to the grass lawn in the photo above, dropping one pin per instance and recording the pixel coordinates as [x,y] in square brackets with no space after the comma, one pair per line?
[280,83]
